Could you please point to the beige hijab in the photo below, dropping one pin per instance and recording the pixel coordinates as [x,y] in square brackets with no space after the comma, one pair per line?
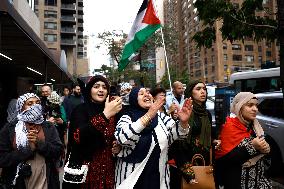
[241,99]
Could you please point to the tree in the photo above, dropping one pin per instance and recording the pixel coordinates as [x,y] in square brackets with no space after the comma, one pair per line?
[240,23]
[115,41]
[183,77]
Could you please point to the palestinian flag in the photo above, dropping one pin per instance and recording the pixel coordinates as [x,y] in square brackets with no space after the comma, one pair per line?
[145,24]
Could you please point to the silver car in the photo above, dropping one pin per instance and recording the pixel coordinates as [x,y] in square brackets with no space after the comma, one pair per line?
[271,118]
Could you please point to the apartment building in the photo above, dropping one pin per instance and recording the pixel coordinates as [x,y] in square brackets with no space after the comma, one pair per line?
[223,58]
[62,28]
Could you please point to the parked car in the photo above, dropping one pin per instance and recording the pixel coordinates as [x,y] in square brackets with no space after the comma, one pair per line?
[271,118]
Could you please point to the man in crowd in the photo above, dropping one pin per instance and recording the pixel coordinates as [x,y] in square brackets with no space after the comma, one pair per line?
[176,99]
[73,100]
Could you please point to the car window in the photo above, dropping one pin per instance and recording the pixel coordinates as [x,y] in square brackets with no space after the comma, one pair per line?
[272,108]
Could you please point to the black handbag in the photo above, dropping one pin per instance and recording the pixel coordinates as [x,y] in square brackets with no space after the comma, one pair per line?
[74,172]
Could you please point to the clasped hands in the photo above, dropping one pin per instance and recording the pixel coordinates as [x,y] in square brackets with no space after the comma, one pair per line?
[260,144]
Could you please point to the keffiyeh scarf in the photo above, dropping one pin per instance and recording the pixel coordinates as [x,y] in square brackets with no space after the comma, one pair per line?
[31,115]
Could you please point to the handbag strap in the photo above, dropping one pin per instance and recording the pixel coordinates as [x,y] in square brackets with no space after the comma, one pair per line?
[197,156]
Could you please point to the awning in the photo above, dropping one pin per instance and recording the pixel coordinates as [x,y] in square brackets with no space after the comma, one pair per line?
[28,52]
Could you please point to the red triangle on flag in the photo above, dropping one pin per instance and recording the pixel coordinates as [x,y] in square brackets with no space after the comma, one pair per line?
[150,15]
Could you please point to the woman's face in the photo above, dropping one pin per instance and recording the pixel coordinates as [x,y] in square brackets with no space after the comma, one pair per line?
[145,99]
[199,93]
[31,101]
[99,91]
[249,110]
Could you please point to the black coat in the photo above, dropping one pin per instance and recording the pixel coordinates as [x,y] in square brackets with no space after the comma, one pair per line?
[9,157]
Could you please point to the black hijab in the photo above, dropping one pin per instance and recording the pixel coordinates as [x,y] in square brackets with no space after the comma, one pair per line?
[136,112]
[95,107]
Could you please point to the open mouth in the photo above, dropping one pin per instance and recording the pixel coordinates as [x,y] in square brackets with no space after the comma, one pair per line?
[147,100]
[100,95]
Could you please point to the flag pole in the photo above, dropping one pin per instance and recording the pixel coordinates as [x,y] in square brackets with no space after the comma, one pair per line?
[167,63]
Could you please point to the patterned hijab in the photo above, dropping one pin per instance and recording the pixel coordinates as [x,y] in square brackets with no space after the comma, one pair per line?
[30,115]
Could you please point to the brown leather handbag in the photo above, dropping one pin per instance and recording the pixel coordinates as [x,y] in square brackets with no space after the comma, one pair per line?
[203,175]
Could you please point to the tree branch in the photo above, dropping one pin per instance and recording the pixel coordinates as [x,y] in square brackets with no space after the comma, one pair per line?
[255,25]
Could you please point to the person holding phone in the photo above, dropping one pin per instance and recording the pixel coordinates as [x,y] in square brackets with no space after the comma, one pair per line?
[240,160]
[92,126]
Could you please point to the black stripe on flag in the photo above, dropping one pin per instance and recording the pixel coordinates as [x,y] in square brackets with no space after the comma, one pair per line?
[143,6]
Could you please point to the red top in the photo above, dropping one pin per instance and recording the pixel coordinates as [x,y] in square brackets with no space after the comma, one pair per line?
[101,172]
[232,133]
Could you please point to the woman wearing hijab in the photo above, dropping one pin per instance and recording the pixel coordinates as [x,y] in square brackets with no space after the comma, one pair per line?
[29,149]
[91,135]
[240,161]
[200,135]
[145,135]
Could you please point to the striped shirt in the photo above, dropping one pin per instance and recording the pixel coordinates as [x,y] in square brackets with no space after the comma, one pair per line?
[128,134]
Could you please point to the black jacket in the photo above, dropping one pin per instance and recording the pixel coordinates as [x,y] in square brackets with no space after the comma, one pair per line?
[10,157]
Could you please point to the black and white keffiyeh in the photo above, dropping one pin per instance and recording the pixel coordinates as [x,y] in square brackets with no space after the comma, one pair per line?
[31,115]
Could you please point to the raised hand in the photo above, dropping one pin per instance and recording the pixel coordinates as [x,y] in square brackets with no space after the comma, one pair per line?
[112,107]
[156,106]
[185,112]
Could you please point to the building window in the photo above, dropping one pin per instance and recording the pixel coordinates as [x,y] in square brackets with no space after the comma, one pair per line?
[248,47]
[50,25]
[197,65]
[213,68]
[259,49]
[198,73]
[224,46]
[212,58]
[225,57]
[50,37]
[236,47]
[50,14]
[249,58]
[50,2]
[268,45]
[237,57]
[260,59]
[268,53]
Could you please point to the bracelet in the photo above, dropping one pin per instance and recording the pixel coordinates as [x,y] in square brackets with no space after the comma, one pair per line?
[147,115]
[144,122]
[145,119]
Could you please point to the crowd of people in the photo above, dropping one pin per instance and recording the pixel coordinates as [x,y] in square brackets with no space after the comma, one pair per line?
[126,136]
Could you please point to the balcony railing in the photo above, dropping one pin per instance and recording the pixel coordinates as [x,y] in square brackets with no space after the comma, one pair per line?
[68,42]
[68,6]
[68,18]
[68,30]
[80,33]
[80,49]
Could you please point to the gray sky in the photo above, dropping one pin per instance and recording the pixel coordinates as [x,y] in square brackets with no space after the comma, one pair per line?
[107,15]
